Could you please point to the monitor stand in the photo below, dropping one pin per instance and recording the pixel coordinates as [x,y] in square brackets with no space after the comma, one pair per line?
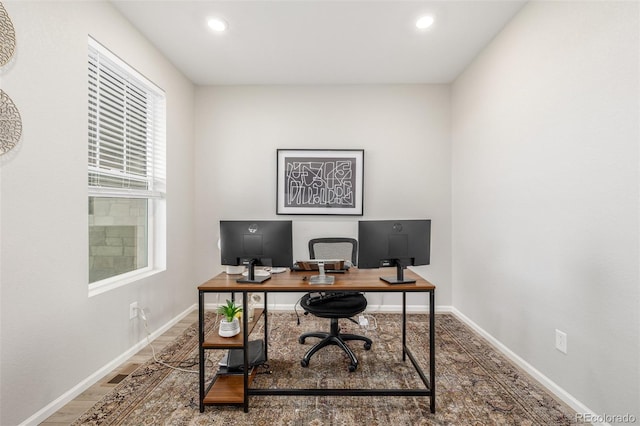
[322,278]
[399,278]
[251,275]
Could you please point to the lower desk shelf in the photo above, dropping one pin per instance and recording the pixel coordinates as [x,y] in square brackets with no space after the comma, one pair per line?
[228,389]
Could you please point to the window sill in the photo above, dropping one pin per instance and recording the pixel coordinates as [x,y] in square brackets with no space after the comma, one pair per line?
[109,284]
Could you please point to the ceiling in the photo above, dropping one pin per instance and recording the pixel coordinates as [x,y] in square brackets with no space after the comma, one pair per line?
[311,42]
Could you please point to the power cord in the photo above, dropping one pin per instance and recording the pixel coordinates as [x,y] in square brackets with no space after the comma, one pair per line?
[295,309]
[143,315]
[365,323]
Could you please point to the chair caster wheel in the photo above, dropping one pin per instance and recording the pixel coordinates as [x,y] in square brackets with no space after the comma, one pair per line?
[304,363]
[301,340]
[352,368]
[367,346]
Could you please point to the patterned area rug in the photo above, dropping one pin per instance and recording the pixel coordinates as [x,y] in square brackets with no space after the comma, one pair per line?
[476,385]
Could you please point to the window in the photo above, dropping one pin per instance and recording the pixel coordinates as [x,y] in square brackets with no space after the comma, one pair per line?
[126,174]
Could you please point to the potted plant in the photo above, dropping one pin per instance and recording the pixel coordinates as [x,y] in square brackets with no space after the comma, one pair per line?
[229,325]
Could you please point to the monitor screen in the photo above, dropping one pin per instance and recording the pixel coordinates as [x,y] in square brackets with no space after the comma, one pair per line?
[256,243]
[398,243]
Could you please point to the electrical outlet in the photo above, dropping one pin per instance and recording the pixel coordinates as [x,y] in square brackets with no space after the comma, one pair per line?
[561,341]
[133,310]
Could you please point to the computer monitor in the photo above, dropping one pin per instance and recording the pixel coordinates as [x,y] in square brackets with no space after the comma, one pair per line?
[398,243]
[256,243]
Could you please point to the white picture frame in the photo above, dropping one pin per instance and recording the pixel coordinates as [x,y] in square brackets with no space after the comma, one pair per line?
[320,181]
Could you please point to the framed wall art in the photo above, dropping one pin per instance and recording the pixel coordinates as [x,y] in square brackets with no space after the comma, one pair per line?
[320,181]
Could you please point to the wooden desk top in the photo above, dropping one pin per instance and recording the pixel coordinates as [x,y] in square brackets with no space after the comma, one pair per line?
[353,280]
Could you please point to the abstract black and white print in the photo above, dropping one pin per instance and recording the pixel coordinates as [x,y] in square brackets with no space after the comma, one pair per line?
[312,181]
[320,182]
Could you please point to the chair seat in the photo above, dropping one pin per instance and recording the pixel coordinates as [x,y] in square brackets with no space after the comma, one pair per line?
[342,307]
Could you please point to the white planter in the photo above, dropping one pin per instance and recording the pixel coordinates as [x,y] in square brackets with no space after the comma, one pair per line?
[229,329]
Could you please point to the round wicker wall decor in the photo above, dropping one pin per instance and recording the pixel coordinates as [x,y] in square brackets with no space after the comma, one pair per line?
[10,123]
[7,37]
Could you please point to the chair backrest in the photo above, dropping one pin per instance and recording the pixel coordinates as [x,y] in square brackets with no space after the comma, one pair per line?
[334,248]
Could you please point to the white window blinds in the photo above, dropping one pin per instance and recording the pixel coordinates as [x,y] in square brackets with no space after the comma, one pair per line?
[126,129]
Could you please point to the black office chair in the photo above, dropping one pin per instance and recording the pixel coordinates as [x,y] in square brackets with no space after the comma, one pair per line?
[347,305]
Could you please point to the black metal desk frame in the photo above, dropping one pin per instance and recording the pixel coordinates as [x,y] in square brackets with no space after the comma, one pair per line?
[429,382]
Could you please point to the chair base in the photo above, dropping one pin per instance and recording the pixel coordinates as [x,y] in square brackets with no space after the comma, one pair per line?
[334,337]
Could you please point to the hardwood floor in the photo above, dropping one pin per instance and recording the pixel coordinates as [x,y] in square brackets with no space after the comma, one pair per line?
[74,409]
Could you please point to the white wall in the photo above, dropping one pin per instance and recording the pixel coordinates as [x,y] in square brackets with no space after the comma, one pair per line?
[545,136]
[545,195]
[54,335]
[404,131]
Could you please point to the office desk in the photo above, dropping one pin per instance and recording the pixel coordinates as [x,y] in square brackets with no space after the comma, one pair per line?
[236,389]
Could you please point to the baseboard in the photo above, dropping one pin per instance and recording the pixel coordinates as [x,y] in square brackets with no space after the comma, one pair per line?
[549,384]
[72,393]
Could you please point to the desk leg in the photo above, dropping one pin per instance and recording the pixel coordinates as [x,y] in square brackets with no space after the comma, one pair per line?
[266,327]
[200,348]
[245,348]
[404,326]
[432,348]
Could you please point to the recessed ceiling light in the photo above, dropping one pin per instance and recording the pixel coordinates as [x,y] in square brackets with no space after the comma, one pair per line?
[425,22]
[217,24]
